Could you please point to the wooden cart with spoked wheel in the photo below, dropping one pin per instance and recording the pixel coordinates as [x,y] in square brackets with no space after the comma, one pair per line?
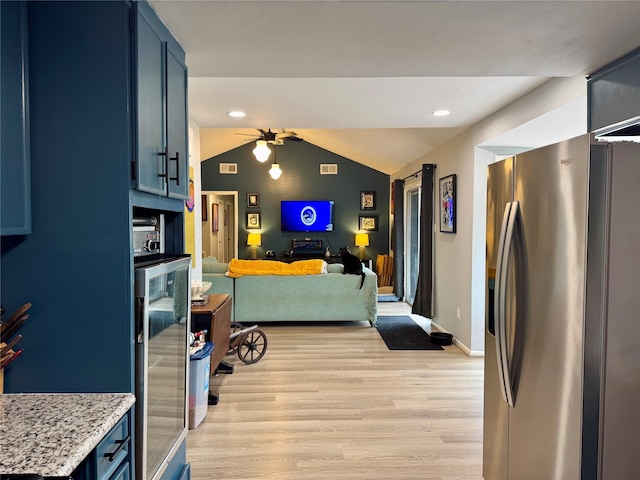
[249,343]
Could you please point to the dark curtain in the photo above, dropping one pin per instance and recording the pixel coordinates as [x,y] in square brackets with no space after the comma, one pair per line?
[423,305]
[397,238]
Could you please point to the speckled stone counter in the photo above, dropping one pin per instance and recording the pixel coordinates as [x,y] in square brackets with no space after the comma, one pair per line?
[51,434]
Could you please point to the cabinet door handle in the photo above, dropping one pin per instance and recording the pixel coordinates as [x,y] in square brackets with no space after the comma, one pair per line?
[121,445]
[177,160]
[164,154]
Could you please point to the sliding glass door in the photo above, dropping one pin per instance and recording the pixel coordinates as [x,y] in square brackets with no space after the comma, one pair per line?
[412,239]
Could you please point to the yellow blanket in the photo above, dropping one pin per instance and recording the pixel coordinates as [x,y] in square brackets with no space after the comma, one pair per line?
[237,268]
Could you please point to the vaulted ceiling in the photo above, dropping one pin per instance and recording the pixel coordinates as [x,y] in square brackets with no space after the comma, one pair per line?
[362,78]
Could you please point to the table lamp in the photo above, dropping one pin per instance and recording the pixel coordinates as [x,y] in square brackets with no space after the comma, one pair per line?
[362,240]
[254,240]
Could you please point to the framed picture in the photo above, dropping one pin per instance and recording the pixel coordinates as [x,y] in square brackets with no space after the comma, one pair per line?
[368,222]
[448,204]
[367,200]
[214,217]
[253,200]
[253,220]
[204,207]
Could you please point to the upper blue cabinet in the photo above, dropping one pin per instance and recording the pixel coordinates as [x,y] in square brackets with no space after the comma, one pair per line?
[15,164]
[162,166]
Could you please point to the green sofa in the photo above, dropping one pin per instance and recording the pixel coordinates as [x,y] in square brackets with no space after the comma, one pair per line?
[332,296]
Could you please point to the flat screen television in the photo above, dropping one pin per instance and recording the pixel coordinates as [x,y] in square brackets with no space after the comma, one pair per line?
[306,215]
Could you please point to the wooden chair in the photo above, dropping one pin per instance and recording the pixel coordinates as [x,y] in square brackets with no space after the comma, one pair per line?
[384,269]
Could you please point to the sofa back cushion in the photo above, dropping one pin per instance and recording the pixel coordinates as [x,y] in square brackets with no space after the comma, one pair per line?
[335,268]
[211,265]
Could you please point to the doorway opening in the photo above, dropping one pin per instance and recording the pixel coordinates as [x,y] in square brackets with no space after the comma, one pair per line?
[220,225]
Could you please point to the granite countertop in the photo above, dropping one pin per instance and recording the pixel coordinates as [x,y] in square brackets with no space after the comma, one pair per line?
[50,434]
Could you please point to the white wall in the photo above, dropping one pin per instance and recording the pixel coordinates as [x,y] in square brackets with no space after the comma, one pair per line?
[459,258]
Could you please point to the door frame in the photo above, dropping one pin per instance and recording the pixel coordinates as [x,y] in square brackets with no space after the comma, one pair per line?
[411,185]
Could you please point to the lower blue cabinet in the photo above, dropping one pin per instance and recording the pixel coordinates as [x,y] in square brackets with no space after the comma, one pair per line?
[113,450]
[123,473]
[112,457]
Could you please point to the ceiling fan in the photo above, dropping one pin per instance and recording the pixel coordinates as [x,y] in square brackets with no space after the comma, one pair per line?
[275,138]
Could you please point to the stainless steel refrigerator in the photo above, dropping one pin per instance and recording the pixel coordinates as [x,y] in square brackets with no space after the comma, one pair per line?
[562,337]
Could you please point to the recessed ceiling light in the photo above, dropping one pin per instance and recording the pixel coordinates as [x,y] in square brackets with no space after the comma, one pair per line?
[441,113]
[236,114]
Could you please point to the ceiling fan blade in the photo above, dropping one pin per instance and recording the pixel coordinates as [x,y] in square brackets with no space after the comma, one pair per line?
[289,136]
[272,137]
[286,134]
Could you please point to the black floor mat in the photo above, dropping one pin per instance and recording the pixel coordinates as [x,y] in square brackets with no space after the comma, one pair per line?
[402,333]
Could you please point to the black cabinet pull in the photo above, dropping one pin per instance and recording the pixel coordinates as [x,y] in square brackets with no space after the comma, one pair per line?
[164,154]
[121,444]
[177,160]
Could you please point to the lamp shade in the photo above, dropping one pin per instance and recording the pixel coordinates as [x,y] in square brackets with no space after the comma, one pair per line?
[275,171]
[362,239]
[254,239]
[262,151]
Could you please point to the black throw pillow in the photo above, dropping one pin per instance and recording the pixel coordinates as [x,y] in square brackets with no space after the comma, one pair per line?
[353,265]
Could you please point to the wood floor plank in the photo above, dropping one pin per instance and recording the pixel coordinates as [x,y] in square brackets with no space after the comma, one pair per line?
[330,401]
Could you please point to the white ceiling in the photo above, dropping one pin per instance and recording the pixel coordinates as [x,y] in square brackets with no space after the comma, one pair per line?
[361,78]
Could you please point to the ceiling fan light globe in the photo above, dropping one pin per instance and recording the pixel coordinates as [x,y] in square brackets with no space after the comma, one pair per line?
[275,171]
[262,151]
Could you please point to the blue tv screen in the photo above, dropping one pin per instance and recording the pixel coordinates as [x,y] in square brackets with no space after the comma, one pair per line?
[306,215]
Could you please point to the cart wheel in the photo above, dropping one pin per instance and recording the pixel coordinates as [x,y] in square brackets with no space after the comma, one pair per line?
[252,347]
[236,327]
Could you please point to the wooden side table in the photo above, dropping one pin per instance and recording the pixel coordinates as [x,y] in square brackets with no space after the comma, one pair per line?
[215,316]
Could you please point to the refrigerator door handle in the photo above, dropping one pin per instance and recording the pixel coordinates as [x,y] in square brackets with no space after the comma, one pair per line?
[502,317]
[499,301]
[140,320]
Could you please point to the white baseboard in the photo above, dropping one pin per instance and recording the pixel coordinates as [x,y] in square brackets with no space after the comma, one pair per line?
[463,348]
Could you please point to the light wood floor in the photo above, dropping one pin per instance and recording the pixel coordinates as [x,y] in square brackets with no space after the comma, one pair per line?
[330,401]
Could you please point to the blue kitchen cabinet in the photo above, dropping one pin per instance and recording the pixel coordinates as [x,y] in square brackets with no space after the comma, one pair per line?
[162,166]
[112,458]
[15,166]
[177,125]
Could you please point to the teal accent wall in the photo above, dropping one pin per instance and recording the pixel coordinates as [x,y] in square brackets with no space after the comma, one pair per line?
[301,180]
